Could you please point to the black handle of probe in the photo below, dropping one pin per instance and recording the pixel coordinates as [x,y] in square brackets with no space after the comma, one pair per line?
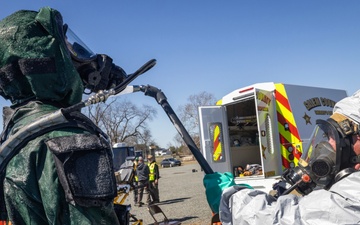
[147,66]
[162,100]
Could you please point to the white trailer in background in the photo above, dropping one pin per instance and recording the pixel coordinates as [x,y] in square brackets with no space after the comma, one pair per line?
[122,151]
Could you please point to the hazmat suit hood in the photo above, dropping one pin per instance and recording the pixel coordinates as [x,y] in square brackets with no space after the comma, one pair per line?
[34,60]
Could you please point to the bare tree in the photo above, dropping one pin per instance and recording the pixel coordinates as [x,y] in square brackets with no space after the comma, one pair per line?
[178,140]
[96,112]
[144,138]
[188,113]
[123,121]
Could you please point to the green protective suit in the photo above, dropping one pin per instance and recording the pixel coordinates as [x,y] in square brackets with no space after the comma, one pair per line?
[35,61]
[64,176]
[33,192]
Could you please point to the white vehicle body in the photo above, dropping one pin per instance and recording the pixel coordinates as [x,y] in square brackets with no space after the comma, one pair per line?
[120,152]
[267,124]
[162,152]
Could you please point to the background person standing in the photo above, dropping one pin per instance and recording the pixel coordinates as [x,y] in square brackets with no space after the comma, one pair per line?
[135,182]
[142,173]
[153,181]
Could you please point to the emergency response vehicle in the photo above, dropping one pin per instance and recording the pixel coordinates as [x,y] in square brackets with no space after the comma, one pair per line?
[262,128]
[121,151]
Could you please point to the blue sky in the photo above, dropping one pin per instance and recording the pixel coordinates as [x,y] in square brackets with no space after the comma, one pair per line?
[217,46]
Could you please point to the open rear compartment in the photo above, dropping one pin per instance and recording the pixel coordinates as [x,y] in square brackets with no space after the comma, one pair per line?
[244,139]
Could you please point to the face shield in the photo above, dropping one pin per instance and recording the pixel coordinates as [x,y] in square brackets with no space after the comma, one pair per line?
[320,161]
[77,47]
[97,71]
[328,158]
[321,158]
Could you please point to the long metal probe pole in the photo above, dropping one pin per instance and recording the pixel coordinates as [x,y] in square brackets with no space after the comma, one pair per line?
[162,100]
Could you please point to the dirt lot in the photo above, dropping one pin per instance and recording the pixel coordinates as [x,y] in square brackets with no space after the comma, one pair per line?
[182,196]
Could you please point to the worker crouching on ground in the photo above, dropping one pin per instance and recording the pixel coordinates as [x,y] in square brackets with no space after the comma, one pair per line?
[62,174]
[329,194]
[153,181]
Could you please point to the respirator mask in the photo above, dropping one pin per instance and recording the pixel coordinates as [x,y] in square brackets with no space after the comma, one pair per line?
[97,71]
[327,158]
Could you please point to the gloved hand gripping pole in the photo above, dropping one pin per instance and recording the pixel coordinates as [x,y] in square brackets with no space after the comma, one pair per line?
[162,100]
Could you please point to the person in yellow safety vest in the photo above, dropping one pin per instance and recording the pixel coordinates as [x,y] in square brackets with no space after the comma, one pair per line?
[136,179]
[153,181]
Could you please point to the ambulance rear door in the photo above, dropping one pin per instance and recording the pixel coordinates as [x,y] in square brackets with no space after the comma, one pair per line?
[268,138]
[214,137]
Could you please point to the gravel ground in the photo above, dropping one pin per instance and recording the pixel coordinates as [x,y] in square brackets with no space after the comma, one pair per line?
[182,196]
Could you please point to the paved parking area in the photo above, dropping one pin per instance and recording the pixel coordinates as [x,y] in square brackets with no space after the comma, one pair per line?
[182,196]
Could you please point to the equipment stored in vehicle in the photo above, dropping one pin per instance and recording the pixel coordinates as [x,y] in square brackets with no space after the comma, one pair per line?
[258,131]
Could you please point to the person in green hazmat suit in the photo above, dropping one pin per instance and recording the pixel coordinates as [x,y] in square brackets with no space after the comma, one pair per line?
[65,175]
